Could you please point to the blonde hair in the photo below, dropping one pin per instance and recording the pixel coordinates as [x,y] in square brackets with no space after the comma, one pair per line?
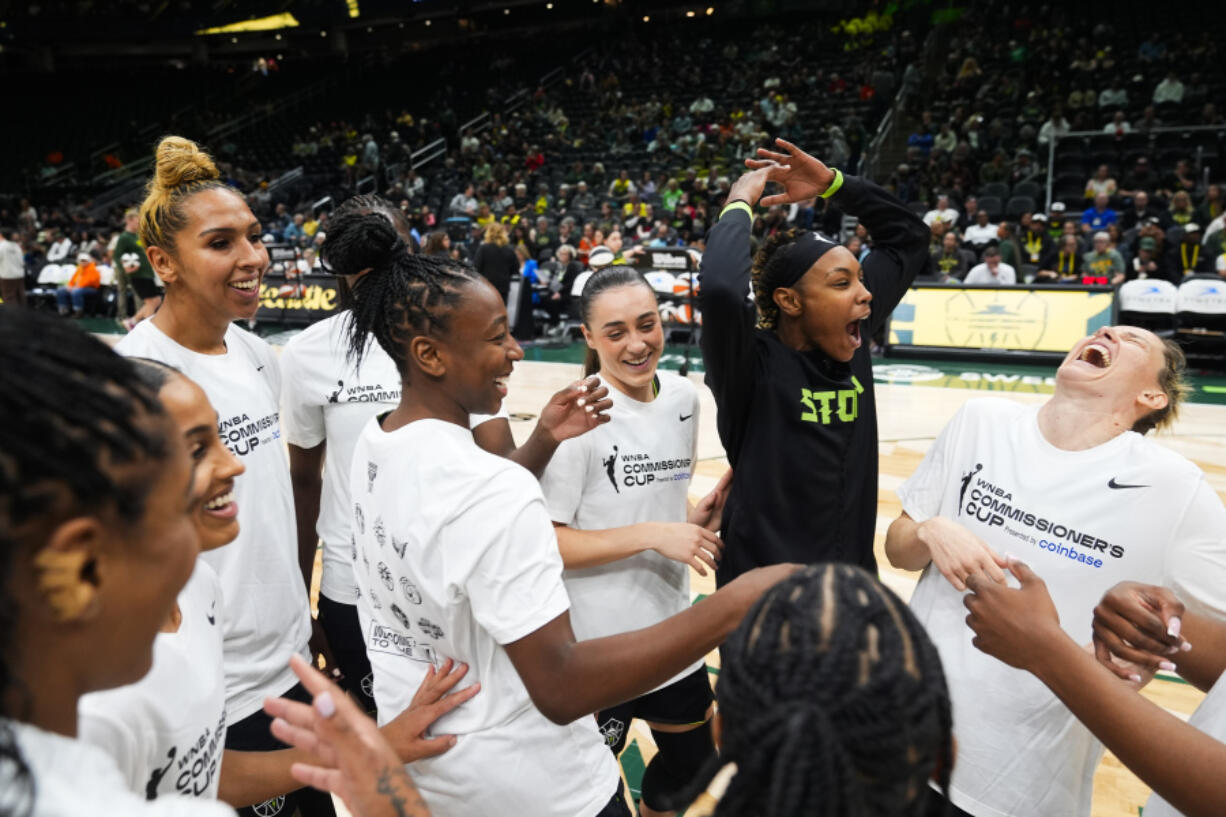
[182,170]
[496,234]
[1174,386]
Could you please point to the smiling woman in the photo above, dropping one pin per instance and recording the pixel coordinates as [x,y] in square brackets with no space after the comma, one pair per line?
[204,243]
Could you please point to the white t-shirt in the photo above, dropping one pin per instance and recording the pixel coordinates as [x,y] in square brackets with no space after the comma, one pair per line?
[1210,718]
[981,274]
[323,398]
[948,216]
[456,557]
[1128,509]
[73,778]
[267,616]
[981,234]
[635,468]
[167,731]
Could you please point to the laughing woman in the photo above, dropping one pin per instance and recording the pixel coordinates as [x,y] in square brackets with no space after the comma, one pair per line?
[792,375]
[204,243]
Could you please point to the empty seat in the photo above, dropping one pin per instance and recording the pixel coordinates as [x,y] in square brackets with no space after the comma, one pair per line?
[1019,205]
[1031,189]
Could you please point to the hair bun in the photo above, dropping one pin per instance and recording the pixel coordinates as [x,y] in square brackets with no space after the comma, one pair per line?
[181,162]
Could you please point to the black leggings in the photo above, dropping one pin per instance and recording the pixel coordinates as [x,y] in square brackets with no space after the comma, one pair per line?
[252,734]
[344,633]
[617,807]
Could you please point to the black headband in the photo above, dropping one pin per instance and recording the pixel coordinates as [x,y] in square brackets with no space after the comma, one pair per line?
[791,263]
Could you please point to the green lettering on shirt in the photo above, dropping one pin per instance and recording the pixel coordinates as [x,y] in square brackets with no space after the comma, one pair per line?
[823,406]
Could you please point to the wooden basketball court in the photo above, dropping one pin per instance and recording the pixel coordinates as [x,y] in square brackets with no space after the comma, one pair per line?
[909,417]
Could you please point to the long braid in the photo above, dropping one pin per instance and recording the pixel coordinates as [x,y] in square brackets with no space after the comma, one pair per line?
[400,296]
[833,702]
[74,420]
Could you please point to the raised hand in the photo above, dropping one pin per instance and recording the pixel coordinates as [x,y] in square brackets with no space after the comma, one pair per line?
[1015,626]
[576,409]
[958,553]
[357,762]
[1138,623]
[801,175]
[749,186]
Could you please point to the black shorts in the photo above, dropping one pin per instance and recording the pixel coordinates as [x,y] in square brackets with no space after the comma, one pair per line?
[252,734]
[146,287]
[682,702]
[344,634]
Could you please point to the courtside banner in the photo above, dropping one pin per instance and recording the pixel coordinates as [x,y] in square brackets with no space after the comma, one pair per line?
[1046,319]
[303,299]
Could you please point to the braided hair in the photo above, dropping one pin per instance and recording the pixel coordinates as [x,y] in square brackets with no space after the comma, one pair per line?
[767,256]
[402,296]
[833,702]
[74,430]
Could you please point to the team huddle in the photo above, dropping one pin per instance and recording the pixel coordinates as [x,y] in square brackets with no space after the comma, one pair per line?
[503,613]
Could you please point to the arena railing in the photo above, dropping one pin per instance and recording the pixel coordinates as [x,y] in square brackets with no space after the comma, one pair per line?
[1198,154]
[427,154]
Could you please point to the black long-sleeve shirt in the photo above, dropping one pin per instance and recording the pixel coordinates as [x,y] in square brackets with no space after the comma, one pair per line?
[799,428]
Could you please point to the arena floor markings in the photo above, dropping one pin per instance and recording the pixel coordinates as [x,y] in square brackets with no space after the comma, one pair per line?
[911,411]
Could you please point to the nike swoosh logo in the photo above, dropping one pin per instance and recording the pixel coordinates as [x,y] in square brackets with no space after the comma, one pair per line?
[685,417]
[1113,484]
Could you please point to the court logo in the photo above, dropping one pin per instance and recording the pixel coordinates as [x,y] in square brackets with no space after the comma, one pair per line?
[612,730]
[906,373]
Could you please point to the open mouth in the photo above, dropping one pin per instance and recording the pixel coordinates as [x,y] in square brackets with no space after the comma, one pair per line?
[500,383]
[249,287]
[222,506]
[638,364]
[853,332]
[1096,355]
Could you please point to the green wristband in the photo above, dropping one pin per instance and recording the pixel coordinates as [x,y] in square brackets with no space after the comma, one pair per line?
[737,205]
[834,185]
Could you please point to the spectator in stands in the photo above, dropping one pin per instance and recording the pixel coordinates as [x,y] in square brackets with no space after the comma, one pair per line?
[583,200]
[1062,263]
[542,236]
[982,232]
[1099,216]
[60,249]
[1169,91]
[1025,169]
[1182,179]
[1055,127]
[945,139]
[992,270]
[996,169]
[1180,209]
[1212,206]
[438,243]
[942,213]
[463,203]
[294,232]
[1010,250]
[1115,96]
[85,282]
[495,259]
[1104,263]
[1102,182]
[951,261]
[1193,258]
[1148,121]
[1035,241]
[1149,263]
[1081,98]
[621,188]
[1152,50]
[1118,126]
[1056,221]
[1139,212]
[12,268]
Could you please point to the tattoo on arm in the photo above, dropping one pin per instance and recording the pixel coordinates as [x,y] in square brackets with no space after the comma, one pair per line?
[393,783]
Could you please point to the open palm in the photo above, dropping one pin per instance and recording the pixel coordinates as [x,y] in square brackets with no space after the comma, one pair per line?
[802,176]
